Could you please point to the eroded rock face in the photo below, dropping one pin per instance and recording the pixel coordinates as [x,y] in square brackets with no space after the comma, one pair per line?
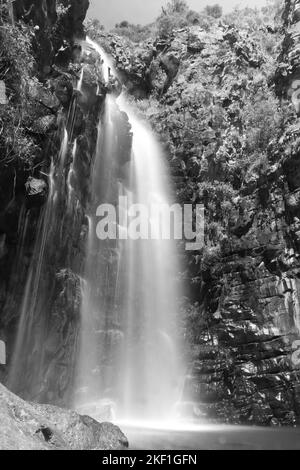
[146,68]
[55,28]
[41,12]
[244,368]
[26,426]
[76,16]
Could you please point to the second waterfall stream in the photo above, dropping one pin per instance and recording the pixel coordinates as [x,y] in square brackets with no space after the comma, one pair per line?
[130,354]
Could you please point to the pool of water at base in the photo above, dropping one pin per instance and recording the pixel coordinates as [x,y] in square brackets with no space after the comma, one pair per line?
[211,437]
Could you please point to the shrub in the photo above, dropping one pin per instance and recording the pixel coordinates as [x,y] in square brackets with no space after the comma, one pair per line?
[166,23]
[93,28]
[133,32]
[123,24]
[215,11]
[15,144]
[193,17]
[16,59]
[177,6]
[61,9]
[262,121]
[211,256]
[16,71]
[175,15]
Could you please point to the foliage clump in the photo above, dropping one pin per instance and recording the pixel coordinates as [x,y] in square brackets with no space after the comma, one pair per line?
[216,11]
[16,59]
[16,71]
[177,15]
[134,32]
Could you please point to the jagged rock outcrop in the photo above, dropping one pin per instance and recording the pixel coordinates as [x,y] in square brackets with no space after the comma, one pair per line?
[27,426]
[146,68]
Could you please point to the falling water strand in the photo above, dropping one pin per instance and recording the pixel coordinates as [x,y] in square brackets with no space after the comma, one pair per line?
[63,149]
[80,81]
[71,176]
[24,337]
[130,356]
[19,267]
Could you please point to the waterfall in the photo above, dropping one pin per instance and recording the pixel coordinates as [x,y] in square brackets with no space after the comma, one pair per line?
[129,356]
[130,347]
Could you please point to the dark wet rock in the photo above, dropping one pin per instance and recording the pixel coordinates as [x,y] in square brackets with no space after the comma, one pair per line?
[63,90]
[75,16]
[3,249]
[44,96]
[28,426]
[170,64]
[44,125]
[148,67]
[195,44]
[55,29]
[24,188]
[36,187]
[42,13]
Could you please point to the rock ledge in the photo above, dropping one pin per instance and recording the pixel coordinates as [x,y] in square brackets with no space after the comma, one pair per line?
[29,426]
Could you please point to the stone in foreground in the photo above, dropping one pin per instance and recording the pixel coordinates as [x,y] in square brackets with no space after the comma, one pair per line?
[28,426]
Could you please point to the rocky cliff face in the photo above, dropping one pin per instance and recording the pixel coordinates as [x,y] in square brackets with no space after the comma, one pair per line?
[246,286]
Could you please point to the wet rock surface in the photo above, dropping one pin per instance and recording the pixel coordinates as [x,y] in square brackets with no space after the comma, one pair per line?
[26,185]
[27,426]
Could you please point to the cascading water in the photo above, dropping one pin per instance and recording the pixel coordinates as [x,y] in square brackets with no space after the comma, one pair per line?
[130,352]
[150,363]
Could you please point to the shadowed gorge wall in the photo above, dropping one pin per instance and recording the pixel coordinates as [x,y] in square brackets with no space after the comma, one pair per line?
[43,105]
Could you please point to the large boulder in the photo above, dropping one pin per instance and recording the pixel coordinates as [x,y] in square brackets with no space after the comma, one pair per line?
[28,426]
